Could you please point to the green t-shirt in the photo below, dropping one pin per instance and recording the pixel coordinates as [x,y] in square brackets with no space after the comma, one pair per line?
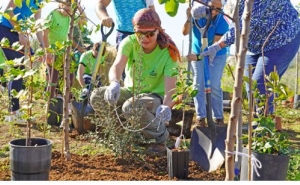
[58,26]
[88,60]
[154,67]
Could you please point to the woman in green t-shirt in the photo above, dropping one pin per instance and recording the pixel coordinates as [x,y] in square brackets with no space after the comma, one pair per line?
[149,58]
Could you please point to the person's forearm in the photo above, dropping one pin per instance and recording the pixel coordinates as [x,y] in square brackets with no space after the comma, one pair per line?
[114,74]
[170,89]
[80,73]
[101,10]
[186,27]
[168,100]
[81,81]
[221,44]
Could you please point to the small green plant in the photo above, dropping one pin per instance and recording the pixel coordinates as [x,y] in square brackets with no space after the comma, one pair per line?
[118,133]
[13,70]
[184,93]
[267,140]
[4,151]
[276,88]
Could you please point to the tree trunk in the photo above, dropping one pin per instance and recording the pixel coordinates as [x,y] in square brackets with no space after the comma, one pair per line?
[236,104]
[66,94]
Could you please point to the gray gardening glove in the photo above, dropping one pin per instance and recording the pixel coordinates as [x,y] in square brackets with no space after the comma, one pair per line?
[84,93]
[164,113]
[198,11]
[112,93]
[211,51]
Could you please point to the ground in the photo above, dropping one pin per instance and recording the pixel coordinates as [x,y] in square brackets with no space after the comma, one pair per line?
[86,164]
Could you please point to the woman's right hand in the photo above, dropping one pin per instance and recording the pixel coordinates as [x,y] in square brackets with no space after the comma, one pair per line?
[107,21]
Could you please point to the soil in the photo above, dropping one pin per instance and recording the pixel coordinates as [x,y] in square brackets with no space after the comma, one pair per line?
[101,167]
[105,167]
[91,167]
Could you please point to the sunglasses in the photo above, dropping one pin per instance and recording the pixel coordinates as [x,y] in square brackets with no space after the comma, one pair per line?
[147,34]
[219,9]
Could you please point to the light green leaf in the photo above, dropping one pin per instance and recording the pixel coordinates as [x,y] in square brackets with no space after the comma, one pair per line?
[18,3]
[180,123]
[29,73]
[171,7]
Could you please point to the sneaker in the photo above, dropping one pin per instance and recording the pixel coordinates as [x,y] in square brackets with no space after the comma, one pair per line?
[220,122]
[200,123]
[15,118]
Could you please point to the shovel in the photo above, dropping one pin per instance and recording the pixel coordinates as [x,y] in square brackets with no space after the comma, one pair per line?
[207,143]
[82,109]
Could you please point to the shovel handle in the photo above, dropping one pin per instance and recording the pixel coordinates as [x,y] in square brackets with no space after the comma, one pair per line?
[100,53]
[105,36]
[203,29]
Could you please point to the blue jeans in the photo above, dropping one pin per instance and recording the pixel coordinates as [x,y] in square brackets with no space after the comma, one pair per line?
[216,72]
[280,57]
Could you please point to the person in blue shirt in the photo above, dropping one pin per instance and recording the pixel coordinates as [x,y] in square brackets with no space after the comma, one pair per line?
[6,25]
[216,29]
[274,28]
[125,10]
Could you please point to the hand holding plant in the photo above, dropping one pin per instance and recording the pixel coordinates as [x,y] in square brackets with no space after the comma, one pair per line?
[164,113]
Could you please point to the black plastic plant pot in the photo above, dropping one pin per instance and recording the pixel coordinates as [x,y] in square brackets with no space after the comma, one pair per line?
[30,163]
[273,167]
[178,163]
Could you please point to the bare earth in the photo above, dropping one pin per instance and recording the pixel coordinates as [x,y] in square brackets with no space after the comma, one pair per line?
[97,167]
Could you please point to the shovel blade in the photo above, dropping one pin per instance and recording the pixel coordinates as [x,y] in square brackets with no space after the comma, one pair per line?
[210,156]
[78,115]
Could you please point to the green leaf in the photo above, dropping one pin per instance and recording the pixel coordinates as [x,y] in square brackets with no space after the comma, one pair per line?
[194,93]
[5,43]
[180,123]
[174,74]
[161,1]
[182,1]
[171,7]
[15,17]
[17,46]
[18,3]
[29,73]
